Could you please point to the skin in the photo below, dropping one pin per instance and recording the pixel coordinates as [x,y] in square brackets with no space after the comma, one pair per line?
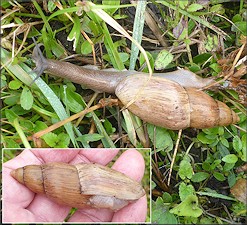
[33,207]
[107,80]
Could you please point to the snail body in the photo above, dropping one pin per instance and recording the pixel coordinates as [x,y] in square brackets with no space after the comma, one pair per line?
[81,185]
[170,100]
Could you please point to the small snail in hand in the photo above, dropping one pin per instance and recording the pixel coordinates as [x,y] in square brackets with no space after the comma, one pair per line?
[81,185]
[171,100]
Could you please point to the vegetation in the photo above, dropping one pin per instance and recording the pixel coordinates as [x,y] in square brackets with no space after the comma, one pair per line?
[207,37]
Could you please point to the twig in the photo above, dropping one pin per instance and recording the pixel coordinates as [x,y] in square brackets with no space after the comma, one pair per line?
[174,156]
[102,103]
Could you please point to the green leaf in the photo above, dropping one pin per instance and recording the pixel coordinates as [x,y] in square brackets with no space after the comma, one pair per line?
[106,140]
[10,115]
[222,150]
[9,143]
[72,99]
[237,144]
[231,179]
[237,18]
[27,125]
[183,3]
[215,164]
[108,127]
[12,100]
[26,99]
[86,48]
[153,184]
[233,93]
[51,6]
[219,8]
[211,42]
[143,61]
[90,137]
[62,141]
[188,207]
[224,141]
[202,137]
[161,137]
[231,158]
[167,198]
[185,191]
[185,168]
[56,141]
[124,56]
[240,26]
[199,59]
[216,195]
[111,11]
[228,166]
[206,166]
[75,32]
[200,176]
[15,84]
[163,59]
[243,157]
[219,176]
[50,139]
[39,125]
[160,213]
[215,67]
[194,7]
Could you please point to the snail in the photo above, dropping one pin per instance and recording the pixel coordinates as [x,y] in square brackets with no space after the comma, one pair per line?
[81,185]
[171,100]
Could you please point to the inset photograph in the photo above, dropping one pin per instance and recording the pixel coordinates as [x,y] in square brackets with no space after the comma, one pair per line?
[76,185]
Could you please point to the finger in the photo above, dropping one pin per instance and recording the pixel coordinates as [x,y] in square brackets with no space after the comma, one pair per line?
[55,155]
[92,215]
[47,210]
[101,156]
[134,212]
[25,158]
[23,215]
[131,163]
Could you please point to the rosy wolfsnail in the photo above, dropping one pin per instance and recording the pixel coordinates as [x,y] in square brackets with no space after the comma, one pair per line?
[81,185]
[171,100]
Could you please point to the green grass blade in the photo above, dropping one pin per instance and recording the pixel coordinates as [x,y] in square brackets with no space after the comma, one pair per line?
[21,133]
[216,195]
[137,31]
[106,140]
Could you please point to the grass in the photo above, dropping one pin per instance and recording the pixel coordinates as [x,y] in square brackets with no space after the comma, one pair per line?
[207,38]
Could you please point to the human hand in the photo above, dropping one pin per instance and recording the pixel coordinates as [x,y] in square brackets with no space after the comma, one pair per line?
[22,205]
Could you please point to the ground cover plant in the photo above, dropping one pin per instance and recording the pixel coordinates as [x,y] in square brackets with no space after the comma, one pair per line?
[195,172]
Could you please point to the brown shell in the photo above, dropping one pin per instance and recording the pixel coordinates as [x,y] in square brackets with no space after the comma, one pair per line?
[167,104]
[80,185]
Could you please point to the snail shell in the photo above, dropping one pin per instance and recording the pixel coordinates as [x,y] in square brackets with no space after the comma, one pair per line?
[80,185]
[167,104]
